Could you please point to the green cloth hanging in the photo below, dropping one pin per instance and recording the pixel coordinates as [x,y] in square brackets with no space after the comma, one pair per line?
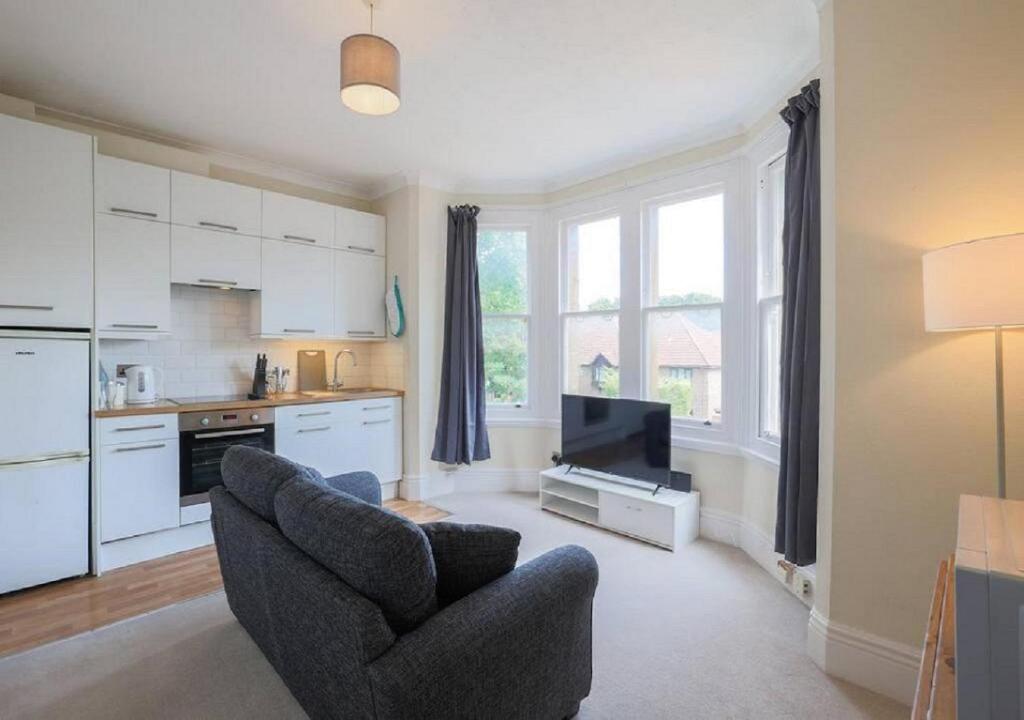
[396,313]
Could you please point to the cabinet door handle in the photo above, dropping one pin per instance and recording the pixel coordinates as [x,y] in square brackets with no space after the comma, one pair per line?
[376,422]
[314,414]
[360,248]
[140,213]
[361,332]
[140,447]
[217,226]
[299,238]
[300,330]
[26,307]
[375,407]
[135,326]
[316,429]
[209,281]
[139,427]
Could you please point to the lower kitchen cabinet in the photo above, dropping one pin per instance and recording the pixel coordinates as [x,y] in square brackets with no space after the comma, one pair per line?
[342,437]
[138,480]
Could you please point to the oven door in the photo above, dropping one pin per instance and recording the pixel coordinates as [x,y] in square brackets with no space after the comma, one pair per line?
[202,451]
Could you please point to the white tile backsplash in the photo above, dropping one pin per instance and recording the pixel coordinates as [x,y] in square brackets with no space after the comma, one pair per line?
[210,352]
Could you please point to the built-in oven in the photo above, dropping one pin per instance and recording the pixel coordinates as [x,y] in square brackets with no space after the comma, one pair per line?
[205,437]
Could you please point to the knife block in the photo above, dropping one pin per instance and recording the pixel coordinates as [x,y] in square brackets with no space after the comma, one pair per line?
[259,385]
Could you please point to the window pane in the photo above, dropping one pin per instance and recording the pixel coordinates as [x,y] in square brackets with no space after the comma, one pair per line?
[592,355]
[770,243]
[690,252]
[685,361]
[592,261]
[770,339]
[505,360]
[501,257]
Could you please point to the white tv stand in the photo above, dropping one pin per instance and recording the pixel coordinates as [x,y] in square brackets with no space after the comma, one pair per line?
[667,519]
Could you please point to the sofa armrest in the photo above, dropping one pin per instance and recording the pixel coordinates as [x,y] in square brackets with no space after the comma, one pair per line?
[519,647]
[362,485]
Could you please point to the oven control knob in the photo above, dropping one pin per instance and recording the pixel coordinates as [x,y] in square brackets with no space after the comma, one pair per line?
[254,417]
[204,421]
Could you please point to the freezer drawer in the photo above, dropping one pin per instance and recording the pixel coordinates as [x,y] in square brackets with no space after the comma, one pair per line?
[44,522]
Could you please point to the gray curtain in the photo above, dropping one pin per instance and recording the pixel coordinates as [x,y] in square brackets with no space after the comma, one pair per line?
[461,435]
[797,520]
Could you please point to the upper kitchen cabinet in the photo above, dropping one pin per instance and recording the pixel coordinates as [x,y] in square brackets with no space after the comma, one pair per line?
[132,189]
[297,220]
[359,231]
[46,225]
[133,277]
[214,259]
[359,282]
[296,299]
[203,202]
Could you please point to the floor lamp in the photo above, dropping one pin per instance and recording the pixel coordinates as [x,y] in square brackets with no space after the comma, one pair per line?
[977,285]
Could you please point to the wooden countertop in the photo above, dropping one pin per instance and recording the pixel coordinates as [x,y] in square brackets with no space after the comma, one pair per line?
[291,398]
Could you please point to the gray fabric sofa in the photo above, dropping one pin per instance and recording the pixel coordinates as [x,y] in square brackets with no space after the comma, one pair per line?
[293,547]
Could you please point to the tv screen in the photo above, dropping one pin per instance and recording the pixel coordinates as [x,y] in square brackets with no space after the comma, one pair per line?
[630,438]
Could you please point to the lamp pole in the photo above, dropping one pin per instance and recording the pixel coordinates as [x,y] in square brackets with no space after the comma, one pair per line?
[1000,415]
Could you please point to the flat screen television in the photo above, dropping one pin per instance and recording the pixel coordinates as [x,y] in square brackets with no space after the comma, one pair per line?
[629,438]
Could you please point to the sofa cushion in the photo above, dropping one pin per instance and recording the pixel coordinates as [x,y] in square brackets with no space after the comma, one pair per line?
[467,557]
[379,553]
[254,476]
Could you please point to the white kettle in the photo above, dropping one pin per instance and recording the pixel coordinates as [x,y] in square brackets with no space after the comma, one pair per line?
[141,384]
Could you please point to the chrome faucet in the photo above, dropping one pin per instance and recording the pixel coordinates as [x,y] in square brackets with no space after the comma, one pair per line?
[338,384]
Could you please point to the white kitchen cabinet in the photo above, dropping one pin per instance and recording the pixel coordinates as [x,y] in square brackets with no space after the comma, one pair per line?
[132,189]
[297,291]
[133,276]
[378,431]
[359,282]
[341,437]
[139,488]
[357,231]
[214,259]
[46,225]
[203,202]
[297,220]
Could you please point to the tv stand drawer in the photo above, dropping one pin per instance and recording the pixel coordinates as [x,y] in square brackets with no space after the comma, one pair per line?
[632,516]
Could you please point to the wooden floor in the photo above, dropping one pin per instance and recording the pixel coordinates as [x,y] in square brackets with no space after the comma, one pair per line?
[41,615]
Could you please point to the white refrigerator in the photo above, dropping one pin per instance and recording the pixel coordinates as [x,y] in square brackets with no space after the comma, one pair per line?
[44,457]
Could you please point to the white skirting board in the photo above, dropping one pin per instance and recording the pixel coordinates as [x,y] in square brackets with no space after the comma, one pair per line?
[889,668]
[153,545]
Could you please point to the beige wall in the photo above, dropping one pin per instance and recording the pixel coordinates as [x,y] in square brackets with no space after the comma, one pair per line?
[929,150]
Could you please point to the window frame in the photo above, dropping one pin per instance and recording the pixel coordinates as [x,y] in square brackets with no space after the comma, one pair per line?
[564,314]
[765,215]
[527,220]
[769,148]
[649,301]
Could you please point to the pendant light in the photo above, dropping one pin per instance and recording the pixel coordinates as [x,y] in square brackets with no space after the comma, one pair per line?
[370,72]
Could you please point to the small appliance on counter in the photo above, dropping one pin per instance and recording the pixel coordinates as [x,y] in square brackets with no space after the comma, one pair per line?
[141,384]
[259,379]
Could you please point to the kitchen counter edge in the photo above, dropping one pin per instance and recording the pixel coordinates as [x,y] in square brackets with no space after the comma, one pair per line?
[272,401]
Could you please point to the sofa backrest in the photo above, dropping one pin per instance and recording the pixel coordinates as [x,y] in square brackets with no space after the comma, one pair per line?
[254,476]
[379,553]
[317,632]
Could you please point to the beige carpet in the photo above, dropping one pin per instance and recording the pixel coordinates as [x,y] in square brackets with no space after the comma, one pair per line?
[700,633]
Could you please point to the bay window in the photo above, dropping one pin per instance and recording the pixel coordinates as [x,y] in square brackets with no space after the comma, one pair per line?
[590,308]
[771,186]
[683,309]
[502,260]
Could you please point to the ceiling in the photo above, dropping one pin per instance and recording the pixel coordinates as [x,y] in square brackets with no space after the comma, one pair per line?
[498,95]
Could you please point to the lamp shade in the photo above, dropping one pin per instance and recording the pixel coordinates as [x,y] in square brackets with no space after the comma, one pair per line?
[976,284]
[370,75]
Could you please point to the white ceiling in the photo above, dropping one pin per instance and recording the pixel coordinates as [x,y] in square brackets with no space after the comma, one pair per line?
[497,94]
